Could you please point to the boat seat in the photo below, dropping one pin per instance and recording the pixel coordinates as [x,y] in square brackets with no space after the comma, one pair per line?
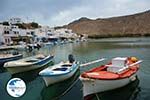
[32,60]
[66,65]
[115,69]
[40,58]
[60,69]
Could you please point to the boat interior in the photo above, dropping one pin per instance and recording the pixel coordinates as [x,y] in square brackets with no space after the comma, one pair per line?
[111,71]
[37,58]
[63,67]
[60,69]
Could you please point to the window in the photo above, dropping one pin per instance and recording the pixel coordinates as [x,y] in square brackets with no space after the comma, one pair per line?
[6,40]
[32,33]
[28,33]
[15,32]
[6,32]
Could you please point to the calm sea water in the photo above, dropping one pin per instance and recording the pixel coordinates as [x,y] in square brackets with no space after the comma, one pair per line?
[85,52]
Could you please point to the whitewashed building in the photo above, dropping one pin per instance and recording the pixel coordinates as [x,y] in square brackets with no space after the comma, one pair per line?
[52,35]
[45,34]
[1,34]
[7,34]
[40,34]
[12,35]
[66,33]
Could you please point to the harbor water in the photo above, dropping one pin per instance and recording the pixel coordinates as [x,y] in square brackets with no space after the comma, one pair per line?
[85,52]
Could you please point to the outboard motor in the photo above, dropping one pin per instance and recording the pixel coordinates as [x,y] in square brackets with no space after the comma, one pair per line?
[71,58]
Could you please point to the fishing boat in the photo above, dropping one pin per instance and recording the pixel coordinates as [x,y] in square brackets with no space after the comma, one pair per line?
[9,57]
[118,73]
[59,72]
[29,63]
[127,92]
[57,90]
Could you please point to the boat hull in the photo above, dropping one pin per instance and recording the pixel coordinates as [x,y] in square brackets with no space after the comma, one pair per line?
[92,86]
[24,68]
[57,78]
[57,90]
[4,60]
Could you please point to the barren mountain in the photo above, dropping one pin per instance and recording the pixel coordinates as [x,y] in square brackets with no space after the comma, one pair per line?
[131,25]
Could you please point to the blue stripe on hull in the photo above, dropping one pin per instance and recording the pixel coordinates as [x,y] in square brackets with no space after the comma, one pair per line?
[44,61]
[4,60]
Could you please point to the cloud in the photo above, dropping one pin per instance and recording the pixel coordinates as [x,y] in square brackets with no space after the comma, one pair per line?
[59,12]
[100,9]
[68,15]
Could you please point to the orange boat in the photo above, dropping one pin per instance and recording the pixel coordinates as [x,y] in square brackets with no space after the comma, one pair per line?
[118,73]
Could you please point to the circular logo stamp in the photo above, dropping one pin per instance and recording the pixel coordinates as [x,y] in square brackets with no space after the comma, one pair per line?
[16,87]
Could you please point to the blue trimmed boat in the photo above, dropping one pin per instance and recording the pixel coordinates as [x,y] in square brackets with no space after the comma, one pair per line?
[29,63]
[57,90]
[9,57]
[59,72]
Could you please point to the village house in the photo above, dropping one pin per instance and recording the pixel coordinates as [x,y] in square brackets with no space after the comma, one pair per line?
[1,34]
[11,34]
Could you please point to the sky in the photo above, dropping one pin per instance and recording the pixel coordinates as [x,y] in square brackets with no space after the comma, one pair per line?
[61,12]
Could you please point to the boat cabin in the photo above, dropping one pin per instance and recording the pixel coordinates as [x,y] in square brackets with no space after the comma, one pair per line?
[117,64]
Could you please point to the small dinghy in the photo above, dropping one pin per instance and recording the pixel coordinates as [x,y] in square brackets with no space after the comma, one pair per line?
[9,57]
[59,72]
[118,73]
[29,63]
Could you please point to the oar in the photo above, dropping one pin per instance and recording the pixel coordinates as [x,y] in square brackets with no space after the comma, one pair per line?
[92,62]
[130,65]
[135,63]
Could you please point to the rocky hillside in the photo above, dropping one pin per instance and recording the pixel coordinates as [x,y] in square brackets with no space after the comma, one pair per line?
[131,25]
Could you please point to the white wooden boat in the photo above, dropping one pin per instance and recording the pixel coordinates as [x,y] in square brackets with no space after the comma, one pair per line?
[59,72]
[28,63]
[9,57]
[116,74]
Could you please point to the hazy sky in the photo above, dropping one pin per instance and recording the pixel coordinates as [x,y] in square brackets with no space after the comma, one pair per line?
[60,12]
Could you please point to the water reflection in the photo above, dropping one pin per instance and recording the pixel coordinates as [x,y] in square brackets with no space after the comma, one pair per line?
[128,92]
[2,69]
[84,52]
[36,87]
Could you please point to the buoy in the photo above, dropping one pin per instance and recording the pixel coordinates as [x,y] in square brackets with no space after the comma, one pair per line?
[134,59]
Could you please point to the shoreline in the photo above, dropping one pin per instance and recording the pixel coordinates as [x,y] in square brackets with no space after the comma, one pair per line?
[118,36]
